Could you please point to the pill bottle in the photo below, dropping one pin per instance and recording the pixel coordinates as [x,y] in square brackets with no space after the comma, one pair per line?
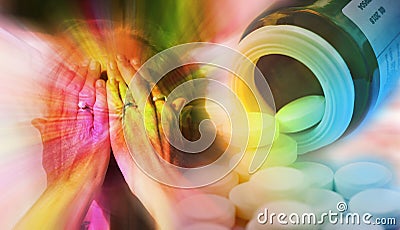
[346,50]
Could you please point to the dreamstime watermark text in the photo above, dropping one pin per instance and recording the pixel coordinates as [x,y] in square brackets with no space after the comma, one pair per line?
[339,217]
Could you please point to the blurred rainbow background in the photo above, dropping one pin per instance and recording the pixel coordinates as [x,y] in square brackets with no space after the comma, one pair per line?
[35,35]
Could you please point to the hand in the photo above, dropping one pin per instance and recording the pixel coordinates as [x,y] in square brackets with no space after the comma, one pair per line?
[74,140]
[139,183]
[142,123]
[76,147]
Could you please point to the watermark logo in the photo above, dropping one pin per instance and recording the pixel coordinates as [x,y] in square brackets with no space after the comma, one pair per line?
[339,217]
[341,206]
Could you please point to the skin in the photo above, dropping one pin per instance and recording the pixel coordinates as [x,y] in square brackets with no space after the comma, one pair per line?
[75,172]
[72,178]
[76,144]
[162,198]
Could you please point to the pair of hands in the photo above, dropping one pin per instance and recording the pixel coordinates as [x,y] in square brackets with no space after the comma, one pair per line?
[76,141]
[75,137]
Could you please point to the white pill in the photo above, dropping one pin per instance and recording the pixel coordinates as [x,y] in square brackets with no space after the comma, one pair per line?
[220,187]
[317,175]
[322,200]
[243,197]
[242,168]
[283,152]
[356,177]
[207,208]
[278,183]
[380,203]
[261,130]
[301,114]
[284,214]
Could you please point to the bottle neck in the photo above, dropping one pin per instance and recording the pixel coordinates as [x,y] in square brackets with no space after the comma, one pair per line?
[329,68]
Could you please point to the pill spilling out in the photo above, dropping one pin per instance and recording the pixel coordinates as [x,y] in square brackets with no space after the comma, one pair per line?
[278,183]
[380,203]
[322,200]
[284,184]
[308,186]
[245,204]
[260,130]
[282,153]
[301,114]
[317,175]
[242,167]
[223,186]
[356,177]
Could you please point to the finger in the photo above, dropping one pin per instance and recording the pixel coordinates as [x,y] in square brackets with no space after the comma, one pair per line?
[82,69]
[140,86]
[140,95]
[163,128]
[55,95]
[114,101]
[115,107]
[123,88]
[70,106]
[88,93]
[113,71]
[39,124]
[100,113]
[63,76]
[126,69]
[117,80]
[151,124]
[80,77]
[71,93]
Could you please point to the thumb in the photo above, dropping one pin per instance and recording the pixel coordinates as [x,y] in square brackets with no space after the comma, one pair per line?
[39,123]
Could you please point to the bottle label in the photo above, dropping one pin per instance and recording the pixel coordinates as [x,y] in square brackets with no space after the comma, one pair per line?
[379,21]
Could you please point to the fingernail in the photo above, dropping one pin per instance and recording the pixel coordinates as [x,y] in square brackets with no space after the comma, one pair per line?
[85,63]
[120,57]
[113,81]
[112,65]
[100,83]
[93,65]
[134,62]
